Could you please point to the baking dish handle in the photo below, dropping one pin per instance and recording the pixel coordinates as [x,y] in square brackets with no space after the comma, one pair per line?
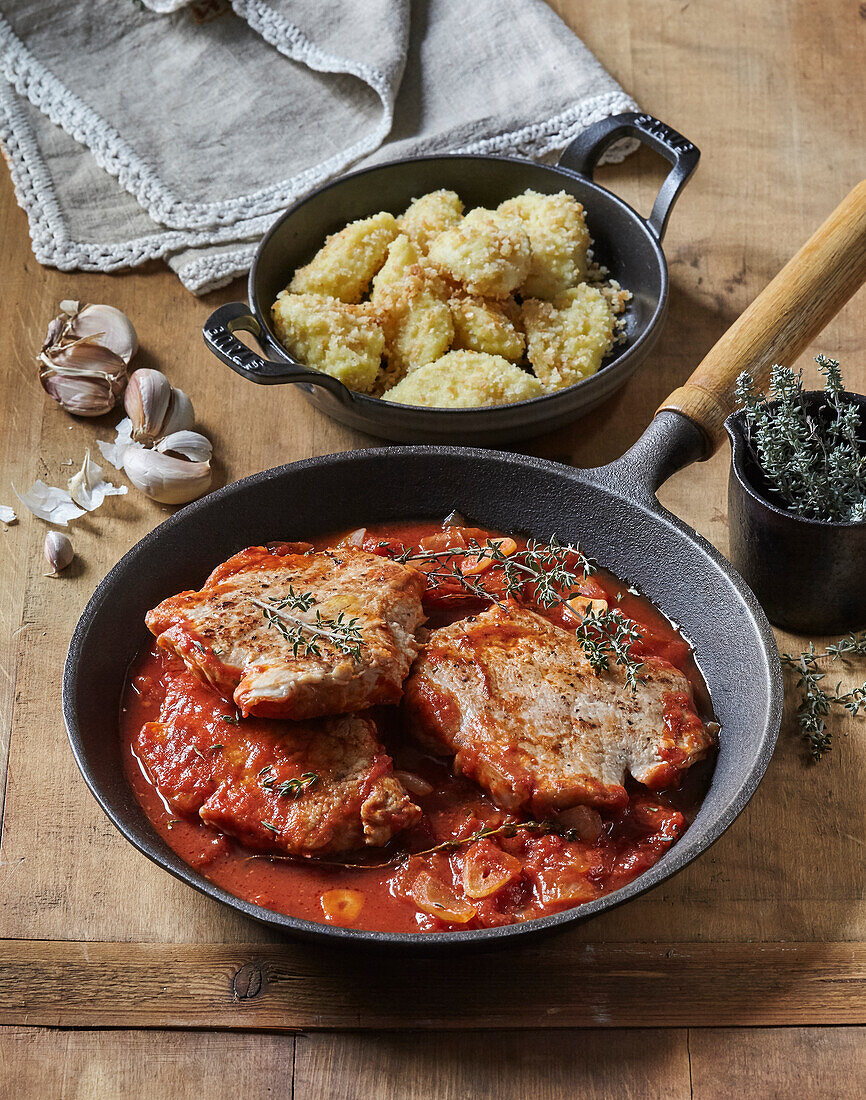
[219,336]
[584,153]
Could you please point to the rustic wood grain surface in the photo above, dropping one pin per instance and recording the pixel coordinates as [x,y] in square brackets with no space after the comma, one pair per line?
[768,928]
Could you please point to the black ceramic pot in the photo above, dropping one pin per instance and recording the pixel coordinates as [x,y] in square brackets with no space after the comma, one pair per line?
[809,575]
[629,245]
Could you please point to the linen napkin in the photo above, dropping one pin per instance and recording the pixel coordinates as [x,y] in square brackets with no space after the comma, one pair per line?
[179,129]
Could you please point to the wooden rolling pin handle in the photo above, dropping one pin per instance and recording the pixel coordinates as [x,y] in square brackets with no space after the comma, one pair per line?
[782,321]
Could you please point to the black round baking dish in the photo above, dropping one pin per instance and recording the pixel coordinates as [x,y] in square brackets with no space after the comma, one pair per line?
[627,244]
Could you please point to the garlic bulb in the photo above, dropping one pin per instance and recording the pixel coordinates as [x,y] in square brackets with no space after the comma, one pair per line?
[164,477]
[146,402]
[85,357]
[58,552]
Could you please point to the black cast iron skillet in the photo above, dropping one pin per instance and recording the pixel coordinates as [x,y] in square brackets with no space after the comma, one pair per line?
[629,245]
[612,510]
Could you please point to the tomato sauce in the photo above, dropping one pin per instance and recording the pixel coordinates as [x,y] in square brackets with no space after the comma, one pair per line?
[511,875]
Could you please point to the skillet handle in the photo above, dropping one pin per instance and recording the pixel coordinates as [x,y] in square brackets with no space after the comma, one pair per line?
[782,321]
[586,150]
[219,336]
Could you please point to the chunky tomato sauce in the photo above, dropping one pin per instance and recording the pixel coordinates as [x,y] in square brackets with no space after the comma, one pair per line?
[512,875]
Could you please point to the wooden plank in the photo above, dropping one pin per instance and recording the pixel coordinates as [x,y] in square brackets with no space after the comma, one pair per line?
[776,1064]
[558,983]
[592,1065]
[658,1064]
[135,1065]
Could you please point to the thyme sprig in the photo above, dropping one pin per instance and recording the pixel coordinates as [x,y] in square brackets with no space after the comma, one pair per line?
[554,570]
[289,788]
[816,703]
[304,636]
[814,459]
[509,829]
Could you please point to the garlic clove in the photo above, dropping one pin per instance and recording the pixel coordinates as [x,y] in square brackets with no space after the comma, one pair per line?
[7,514]
[79,394]
[58,552]
[105,326]
[165,478]
[89,489]
[146,402]
[192,445]
[180,415]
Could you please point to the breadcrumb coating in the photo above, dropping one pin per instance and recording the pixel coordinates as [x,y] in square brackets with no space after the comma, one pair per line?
[482,325]
[429,216]
[464,380]
[348,260]
[567,339]
[342,340]
[487,252]
[558,238]
[402,255]
[414,315]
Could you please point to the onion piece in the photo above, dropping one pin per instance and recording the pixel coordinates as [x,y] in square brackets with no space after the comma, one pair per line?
[455,519]
[435,898]
[342,906]
[585,821]
[413,783]
[486,869]
[354,538]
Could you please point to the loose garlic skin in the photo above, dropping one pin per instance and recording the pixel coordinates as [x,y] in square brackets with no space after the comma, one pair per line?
[165,478]
[58,552]
[146,402]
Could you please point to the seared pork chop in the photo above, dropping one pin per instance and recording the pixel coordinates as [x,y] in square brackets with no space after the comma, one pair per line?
[514,697]
[308,788]
[292,633]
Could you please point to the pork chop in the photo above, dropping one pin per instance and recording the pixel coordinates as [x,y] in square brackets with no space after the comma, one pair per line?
[308,788]
[514,697]
[293,633]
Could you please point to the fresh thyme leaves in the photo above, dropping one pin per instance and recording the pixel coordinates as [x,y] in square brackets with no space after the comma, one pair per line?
[609,635]
[815,703]
[554,570]
[232,719]
[299,601]
[305,636]
[289,788]
[510,828]
[813,457]
[271,828]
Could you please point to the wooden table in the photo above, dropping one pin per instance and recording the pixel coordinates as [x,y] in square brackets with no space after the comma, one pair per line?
[744,975]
